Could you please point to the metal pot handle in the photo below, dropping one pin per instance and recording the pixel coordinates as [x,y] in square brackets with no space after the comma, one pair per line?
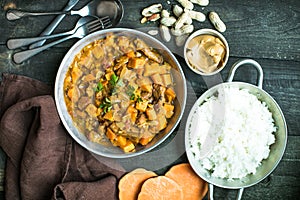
[211,193]
[243,62]
[259,84]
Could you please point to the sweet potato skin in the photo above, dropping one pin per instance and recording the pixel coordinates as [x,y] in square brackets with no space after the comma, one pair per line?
[193,187]
[179,182]
[131,183]
[160,187]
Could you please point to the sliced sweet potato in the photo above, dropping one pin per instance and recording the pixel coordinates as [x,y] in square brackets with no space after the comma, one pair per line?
[145,140]
[129,147]
[136,62]
[170,94]
[169,108]
[110,134]
[160,187]
[130,184]
[193,187]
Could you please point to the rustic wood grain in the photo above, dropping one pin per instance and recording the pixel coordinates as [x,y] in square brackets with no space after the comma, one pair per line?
[267,31]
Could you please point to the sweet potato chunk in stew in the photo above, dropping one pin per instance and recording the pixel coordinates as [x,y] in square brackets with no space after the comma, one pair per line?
[119,90]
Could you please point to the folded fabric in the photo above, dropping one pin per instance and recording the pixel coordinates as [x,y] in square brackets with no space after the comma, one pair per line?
[43,161]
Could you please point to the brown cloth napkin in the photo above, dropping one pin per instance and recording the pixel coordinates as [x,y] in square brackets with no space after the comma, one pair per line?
[43,161]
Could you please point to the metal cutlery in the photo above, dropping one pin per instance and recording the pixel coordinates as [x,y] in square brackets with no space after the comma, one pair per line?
[50,28]
[20,42]
[89,9]
[80,32]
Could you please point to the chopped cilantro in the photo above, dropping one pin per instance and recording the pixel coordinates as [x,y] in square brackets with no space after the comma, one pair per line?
[132,97]
[139,99]
[106,105]
[113,80]
[99,87]
[130,92]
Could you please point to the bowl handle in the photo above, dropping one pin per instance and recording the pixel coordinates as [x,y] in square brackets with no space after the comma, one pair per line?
[211,193]
[243,62]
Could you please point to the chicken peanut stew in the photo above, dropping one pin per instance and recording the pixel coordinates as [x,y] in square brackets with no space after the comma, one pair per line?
[119,90]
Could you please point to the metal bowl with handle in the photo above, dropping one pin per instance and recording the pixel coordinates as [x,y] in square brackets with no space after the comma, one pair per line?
[110,150]
[276,150]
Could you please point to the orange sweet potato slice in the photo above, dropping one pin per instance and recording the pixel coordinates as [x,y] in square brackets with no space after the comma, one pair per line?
[131,183]
[160,187]
[193,187]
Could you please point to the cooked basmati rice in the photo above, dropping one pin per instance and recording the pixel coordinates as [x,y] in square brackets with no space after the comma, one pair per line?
[244,130]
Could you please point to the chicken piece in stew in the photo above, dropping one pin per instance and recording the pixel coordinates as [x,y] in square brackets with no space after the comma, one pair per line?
[119,90]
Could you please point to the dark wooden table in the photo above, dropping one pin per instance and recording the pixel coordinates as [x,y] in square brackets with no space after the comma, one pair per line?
[266,31]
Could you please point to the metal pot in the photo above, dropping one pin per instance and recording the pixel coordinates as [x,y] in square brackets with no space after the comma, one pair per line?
[276,150]
[110,150]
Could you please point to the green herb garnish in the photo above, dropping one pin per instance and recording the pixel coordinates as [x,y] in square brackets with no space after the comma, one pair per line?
[130,92]
[113,80]
[139,99]
[106,105]
[99,87]
[132,97]
[118,85]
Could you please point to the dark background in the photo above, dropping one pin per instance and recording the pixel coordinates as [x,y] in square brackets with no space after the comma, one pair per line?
[266,31]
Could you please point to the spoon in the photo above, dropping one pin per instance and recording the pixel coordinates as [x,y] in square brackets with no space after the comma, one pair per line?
[89,9]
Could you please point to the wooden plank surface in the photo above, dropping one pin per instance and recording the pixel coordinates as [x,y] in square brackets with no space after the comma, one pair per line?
[267,31]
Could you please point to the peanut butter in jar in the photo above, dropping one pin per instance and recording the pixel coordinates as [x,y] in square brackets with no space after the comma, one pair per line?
[206,53]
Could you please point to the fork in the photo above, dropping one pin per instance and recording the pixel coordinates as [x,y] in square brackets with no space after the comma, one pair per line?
[50,28]
[80,32]
[20,42]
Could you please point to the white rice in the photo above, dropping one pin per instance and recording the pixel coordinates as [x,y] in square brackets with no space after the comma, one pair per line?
[244,129]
